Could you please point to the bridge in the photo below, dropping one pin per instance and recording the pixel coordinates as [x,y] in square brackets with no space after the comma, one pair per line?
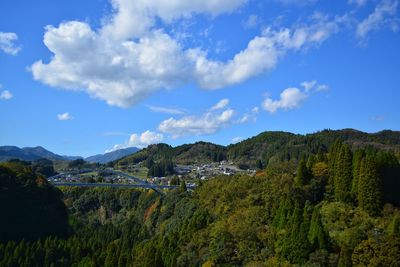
[139,183]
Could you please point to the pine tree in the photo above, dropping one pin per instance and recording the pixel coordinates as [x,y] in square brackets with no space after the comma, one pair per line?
[369,186]
[343,175]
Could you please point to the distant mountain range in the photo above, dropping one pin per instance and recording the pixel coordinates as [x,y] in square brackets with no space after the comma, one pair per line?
[112,156]
[35,153]
[27,153]
[263,149]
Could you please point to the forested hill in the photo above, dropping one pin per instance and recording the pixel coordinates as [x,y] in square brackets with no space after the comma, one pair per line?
[267,147]
[279,146]
[200,152]
[339,208]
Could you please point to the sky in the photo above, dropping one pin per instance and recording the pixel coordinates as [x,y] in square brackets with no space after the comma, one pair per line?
[85,77]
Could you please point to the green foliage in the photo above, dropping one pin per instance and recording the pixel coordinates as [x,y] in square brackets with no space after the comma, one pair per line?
[303,174]
[343,174]
[316,235]
[31,208]
[357,159]
[369,187]
[276,218]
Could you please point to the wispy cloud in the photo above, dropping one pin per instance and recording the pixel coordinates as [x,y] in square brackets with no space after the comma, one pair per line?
[114,134]
[220,105]
[384,14]
[250,116]
[8,43]
[64,116]
[166,110]
[359,3]
[378,118]
[251,22]
[5,95]
[236,139]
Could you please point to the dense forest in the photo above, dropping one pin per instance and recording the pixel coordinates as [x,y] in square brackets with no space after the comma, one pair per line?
[335,205]
[265,148]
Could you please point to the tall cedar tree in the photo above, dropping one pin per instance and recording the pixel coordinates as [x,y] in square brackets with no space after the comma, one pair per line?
[316,234]
[332,159]
[358,156]
[343,175]
[389,170]
[369,186]
[303,174]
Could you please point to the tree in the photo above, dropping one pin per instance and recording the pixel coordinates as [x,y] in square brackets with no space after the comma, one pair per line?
[303,175]
[358,156]
[369,187]
[316,234]
[182,186]
[332,161]
[389,170]
[311,162]
[343,175]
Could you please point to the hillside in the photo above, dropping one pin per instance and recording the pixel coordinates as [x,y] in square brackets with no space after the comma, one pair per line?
[266,148]
[341,208]
[111,156]
[27,153]
[200,152]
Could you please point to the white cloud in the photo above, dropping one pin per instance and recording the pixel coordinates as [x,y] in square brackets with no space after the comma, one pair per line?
[296,2]
[208,123]
[357,2]
[221,104]
[128,59]
[314,86]
[166,110]
[251,22]
[5,95]
[236,139]
[309,85]
[293,97]
[136,18]
[143,140]
[290,98]
[380,17]
[64,116]
[250,116]
[322,88]
[7,43]
[378,118]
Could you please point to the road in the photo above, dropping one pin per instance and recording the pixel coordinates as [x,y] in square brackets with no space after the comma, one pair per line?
[149,186]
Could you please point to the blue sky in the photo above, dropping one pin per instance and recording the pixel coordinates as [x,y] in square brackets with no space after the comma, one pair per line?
[84,77]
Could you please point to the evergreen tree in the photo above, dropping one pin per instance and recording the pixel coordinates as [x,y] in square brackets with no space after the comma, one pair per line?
[358,156]
[389,171]
[303,174]
[182,186]
[311,162]
[316,235]
[332,160]
[369,186]
[343,174]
